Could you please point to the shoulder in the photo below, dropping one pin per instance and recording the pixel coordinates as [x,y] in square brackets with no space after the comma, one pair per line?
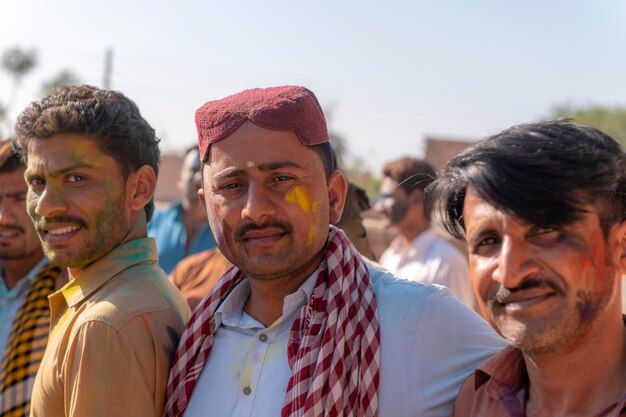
[141,293]
[398,293]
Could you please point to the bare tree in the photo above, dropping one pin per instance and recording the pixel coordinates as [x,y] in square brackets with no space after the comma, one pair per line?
[17,62]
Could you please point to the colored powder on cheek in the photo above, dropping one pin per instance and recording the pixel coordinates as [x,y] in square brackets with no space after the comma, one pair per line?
[313,231]
[300,196]
[218,212]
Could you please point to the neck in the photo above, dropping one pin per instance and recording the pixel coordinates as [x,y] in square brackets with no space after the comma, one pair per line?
[16,269]
[267,295]
[412,230]
[138,229]
[583,378]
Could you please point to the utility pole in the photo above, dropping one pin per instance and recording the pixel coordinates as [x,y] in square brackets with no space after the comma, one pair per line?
[108,69]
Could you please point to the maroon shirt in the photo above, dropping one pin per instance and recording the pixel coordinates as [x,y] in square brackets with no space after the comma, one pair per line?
[499,388]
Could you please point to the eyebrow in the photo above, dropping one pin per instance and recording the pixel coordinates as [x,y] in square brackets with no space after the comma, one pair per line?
[14,195]
[29,174]
[268,166]
[487,230]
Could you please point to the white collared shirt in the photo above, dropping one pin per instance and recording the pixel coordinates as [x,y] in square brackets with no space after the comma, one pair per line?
[242,383]
[430,259]
[430,342]
[11,300]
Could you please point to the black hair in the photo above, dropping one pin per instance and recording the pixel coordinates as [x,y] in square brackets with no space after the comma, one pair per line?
[108,117]
[327,155]
[541,173]
[410,173]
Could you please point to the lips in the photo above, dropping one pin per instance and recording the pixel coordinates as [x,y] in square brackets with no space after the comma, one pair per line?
[522,299]
[59,233]
[9,232]
[267,235]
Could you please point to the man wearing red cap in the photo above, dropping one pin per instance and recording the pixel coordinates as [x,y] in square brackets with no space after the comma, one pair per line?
[303,325]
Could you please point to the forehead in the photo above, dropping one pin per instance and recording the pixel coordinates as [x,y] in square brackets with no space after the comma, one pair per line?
[477,213]
[12,181]
[61,151]
[251,145]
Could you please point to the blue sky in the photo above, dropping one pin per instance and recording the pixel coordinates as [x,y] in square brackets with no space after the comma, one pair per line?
[389,72]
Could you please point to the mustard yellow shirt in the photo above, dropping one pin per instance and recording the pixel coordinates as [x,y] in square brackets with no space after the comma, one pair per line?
[115,328]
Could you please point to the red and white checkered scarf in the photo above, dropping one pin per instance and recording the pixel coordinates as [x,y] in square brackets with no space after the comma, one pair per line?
[334,346]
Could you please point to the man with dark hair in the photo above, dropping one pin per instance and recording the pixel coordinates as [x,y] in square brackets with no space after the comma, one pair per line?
[92,163]
[542,207]
[303,325]
[418,253]
[181,229]
[26,280]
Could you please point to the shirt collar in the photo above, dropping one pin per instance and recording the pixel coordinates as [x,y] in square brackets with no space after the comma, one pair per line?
[23,282]
[505,370]
[142,250]
[507,378]
[230,311]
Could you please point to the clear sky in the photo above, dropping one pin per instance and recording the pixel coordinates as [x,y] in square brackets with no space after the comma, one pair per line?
[390,71]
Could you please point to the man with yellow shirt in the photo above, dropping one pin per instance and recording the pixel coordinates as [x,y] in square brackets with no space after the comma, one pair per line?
[92,164]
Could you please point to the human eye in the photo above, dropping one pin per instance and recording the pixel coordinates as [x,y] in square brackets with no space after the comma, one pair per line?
[281,178]
[482,244]
[544,234]
[35,182]
[74,178]
[230,186]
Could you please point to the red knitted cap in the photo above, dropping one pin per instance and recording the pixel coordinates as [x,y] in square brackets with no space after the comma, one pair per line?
[277,108]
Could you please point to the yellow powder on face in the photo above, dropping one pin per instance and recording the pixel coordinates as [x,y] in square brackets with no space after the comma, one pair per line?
[300,196]
[314,230]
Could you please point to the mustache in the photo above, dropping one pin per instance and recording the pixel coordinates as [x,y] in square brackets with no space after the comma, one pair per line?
[250,226]
[12,226]
[530,283]
[46,221]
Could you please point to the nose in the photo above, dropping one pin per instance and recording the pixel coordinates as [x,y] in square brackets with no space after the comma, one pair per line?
[515,263]
[259,205]
[6,210]
[50,203]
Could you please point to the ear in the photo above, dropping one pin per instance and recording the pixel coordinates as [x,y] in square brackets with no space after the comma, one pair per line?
[416,197]
[201,196]
[140,187]
[618,233]
[337,189]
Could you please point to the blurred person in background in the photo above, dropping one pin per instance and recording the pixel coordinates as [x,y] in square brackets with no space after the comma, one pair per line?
[26,281]
[181,229]
[418,253]
[91,169]
[542,208]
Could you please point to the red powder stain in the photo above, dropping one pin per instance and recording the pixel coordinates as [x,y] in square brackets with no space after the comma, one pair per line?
[218,211]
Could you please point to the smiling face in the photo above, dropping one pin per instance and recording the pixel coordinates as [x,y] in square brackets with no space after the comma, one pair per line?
[269,203]
[17,235]
[76,197]
[541,288]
